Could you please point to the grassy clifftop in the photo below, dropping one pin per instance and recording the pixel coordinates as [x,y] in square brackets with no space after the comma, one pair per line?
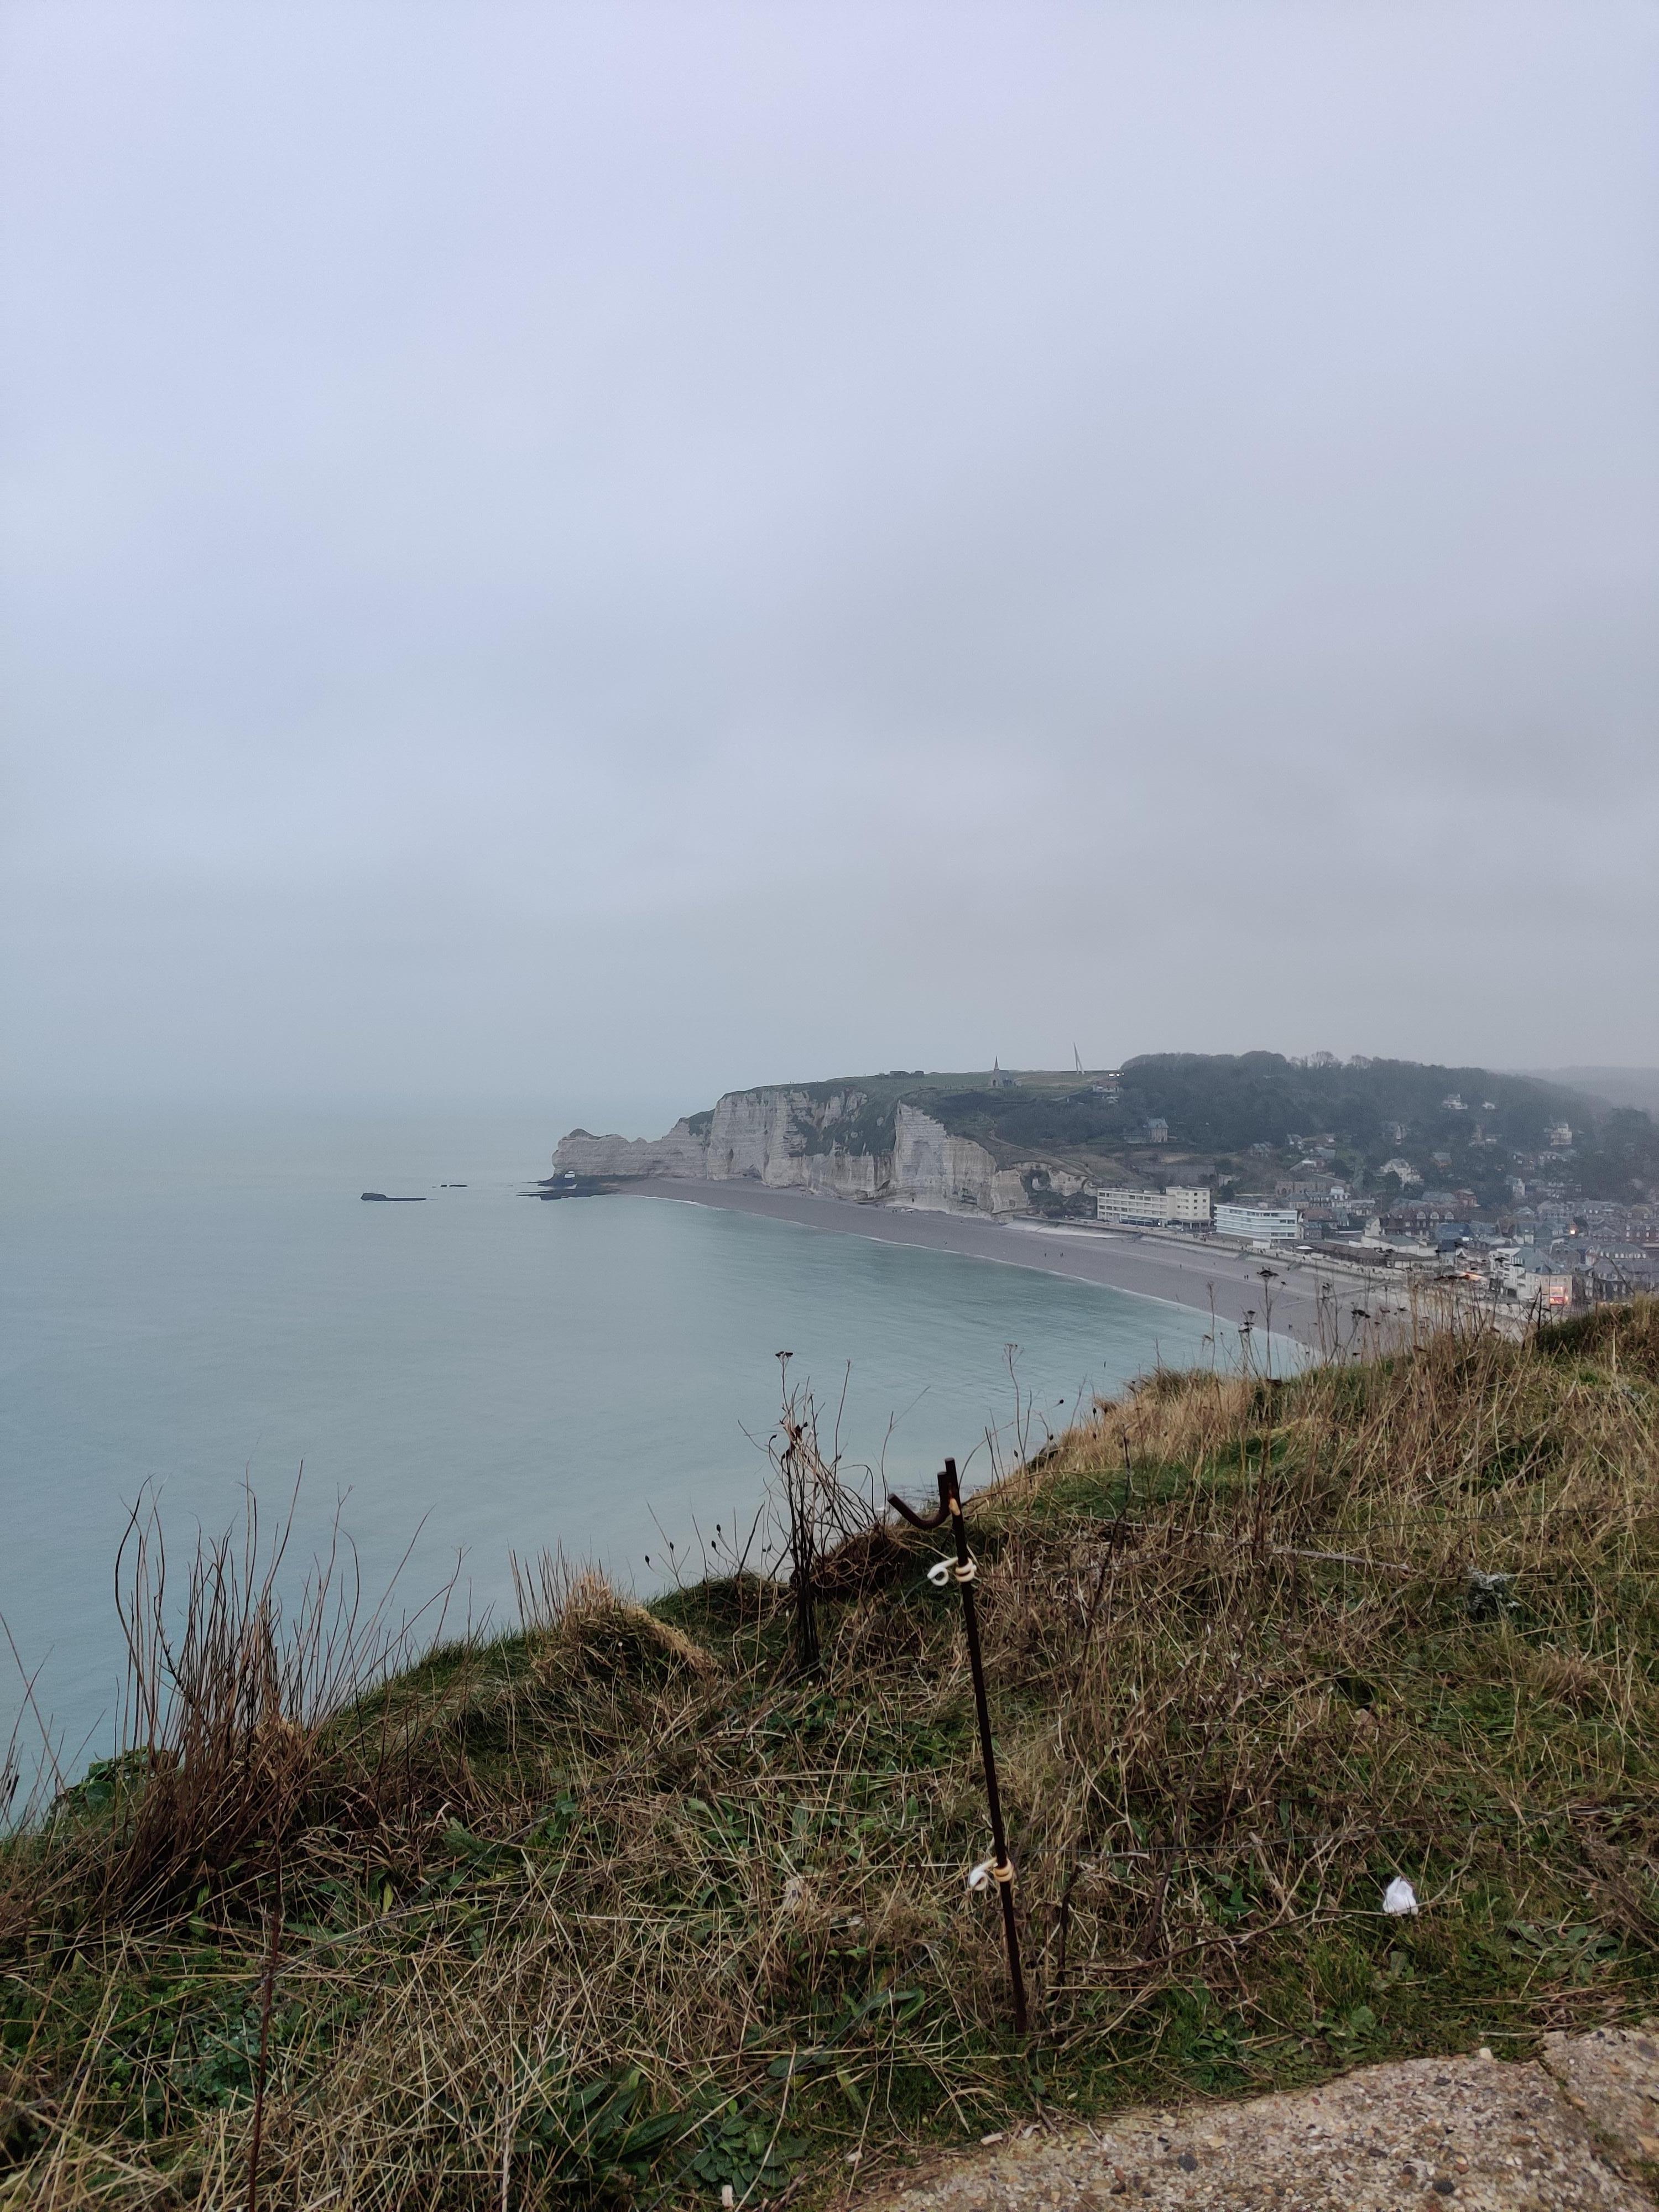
[623,1908]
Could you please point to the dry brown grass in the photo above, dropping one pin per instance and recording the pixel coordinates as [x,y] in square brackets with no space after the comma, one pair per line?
[626,1907]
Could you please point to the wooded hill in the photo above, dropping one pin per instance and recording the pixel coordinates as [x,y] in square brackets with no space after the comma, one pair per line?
[1235,1116]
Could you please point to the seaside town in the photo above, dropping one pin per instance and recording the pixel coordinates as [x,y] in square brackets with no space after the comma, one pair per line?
[1528,1194]
[1547,1246]
[609,1603]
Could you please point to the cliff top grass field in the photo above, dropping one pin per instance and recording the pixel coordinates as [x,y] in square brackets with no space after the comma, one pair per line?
[625,1908]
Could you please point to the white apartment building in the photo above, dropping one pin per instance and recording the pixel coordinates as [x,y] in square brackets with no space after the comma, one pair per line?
[1153,1209]
[1261,1224]
[1183,1203]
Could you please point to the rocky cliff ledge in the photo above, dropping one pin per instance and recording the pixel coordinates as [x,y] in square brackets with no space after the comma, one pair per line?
[841,1141]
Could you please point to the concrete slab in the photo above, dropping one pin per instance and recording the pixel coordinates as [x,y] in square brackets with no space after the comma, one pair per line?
[1432,2134]
[1613,2077]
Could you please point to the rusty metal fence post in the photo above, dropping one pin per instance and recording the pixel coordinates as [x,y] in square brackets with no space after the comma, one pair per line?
[963,1571]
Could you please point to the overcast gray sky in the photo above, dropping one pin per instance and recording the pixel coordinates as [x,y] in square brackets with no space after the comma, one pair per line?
[645,547]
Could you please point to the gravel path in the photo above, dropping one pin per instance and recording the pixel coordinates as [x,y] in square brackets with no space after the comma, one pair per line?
[1576,2130]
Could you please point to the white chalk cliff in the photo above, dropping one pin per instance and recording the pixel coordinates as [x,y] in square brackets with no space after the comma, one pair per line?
[838,1143]
[932,1168]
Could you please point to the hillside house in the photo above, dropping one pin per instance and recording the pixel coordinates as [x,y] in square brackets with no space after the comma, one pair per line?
[1530,1276]
[1611,1278]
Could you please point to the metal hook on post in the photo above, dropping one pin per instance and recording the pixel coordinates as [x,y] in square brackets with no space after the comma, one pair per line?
[962,1570]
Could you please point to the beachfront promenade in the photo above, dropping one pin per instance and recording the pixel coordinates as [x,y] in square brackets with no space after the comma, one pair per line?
[1202,1276]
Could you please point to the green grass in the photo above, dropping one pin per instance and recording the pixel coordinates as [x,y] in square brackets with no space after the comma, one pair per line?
[624,1908]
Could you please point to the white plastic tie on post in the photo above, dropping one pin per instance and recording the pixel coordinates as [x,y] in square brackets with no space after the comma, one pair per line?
[945,1570]
[1399,1897]
[979,1875]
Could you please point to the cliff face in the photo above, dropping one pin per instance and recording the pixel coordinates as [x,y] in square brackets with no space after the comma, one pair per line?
[678,1153]
[932,1168]
[792,1140]
[802,1141]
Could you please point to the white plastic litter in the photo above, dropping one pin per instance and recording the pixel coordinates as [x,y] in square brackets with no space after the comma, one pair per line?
[1399,1896]
[979,1875]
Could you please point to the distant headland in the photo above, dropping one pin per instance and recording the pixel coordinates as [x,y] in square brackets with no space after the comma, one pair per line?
[1327,1135]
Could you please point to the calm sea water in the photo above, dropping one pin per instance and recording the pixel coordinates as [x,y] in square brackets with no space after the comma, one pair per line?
[193,1303]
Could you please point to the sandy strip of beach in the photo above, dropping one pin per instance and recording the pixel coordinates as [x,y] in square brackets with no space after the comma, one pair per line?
[1204,1277]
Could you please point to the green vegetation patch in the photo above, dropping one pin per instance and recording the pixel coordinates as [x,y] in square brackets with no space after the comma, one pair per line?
[625,1910]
